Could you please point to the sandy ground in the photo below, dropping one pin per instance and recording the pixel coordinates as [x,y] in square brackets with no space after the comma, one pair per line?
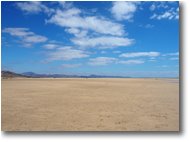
[90,105]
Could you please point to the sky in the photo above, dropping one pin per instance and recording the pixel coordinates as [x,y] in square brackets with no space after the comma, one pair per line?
[136,39]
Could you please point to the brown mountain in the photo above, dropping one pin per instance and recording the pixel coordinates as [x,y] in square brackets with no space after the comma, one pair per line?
[9,74]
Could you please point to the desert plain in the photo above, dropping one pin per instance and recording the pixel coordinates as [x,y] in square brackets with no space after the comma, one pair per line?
[94,104]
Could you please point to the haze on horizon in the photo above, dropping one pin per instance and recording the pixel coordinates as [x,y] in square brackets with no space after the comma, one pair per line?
[136,39]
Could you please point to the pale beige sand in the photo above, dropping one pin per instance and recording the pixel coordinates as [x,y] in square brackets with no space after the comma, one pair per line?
[90,105]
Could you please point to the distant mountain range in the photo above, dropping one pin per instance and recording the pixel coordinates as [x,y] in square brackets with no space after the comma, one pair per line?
[9,74]
[35,75]
[32,74]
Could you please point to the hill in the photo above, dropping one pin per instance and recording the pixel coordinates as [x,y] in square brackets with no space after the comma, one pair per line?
[35,75]
[9,74]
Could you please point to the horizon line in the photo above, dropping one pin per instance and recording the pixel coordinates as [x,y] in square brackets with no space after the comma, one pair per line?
[86,76]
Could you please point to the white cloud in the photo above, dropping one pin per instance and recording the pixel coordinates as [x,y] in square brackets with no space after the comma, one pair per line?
[152,60]
[127,62]
[103,42]
[35,39]
[122,10]
[25,36]
[174,58]
[33,7]
[62,3]
[154,16]
[164,10]
[171,54]
[50,46]
[147,26]
[72,18]
[159,5]
[100,61]
[70,65]
[77,32]
[153,7]
[66,53]
[140,54]
[20,32]
[166,15]
[65,5]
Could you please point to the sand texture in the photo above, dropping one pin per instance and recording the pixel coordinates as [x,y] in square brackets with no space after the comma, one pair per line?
[90,104]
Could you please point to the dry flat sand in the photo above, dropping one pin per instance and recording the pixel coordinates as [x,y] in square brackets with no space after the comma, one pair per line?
[90,104]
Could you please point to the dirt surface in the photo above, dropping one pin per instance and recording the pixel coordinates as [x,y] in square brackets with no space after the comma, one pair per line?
[90,104]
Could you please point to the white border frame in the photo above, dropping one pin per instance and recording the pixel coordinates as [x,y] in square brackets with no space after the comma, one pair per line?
[184,133]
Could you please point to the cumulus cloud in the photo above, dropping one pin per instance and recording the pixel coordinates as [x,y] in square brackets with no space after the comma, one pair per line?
[140,54]
[77,32]
[122,10]
[66,53]
[103,42]
[33,7]
[71,18]
[27,37]
[100,61]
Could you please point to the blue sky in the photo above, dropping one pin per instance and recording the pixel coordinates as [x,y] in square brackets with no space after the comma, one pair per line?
[137,39]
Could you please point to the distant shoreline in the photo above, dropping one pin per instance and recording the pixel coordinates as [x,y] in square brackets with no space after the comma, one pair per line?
[90,78]
[10,74]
